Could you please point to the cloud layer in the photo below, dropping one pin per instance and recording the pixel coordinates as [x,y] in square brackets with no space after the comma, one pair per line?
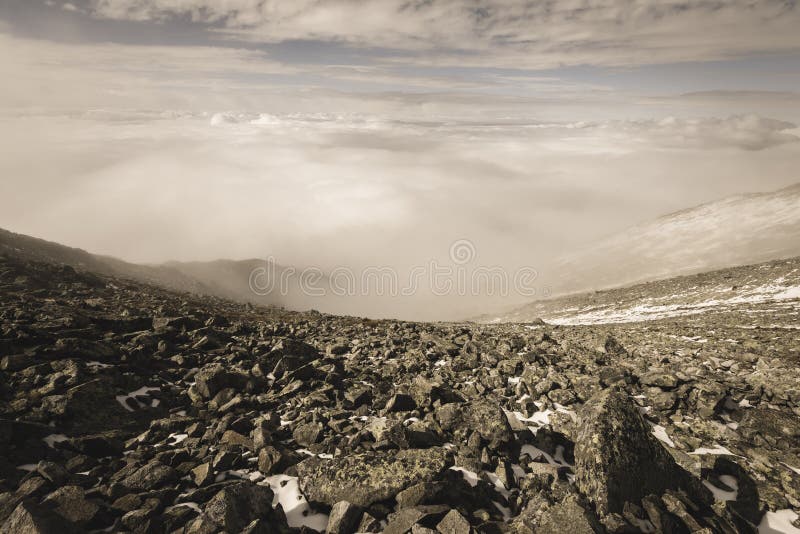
[354,188]
[506,32]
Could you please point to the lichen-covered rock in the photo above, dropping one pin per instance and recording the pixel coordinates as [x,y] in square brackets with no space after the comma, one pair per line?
[344,518]
[213,378]
[364,479]
[568,516]
[70,503]
[28,518]
[618,460]
[237,505]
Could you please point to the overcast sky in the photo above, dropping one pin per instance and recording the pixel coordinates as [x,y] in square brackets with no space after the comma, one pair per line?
[344,132]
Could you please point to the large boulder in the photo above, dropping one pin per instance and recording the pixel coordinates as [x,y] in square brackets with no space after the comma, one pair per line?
[568,516]
[364,479]
[213,378]
[70,502]
[486,418]
[618,460]
[237,505]
[29,518]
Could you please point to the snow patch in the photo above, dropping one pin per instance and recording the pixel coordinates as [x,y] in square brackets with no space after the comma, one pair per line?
[721,494]
[136,396]
[470,476]
[778,522]
[298,512]
[52,439]
[661,434]
[717,449]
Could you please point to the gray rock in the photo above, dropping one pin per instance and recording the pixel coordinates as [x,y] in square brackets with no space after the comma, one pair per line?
[213,378]
[617,459]
[344,518]
[568,516]
[70,503]
[28,518]
[236,506]
[454,523]
[308,434]
[400,402]
[150,476]
[364,479]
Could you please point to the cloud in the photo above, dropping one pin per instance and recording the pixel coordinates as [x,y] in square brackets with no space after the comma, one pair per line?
[514,33]
[353,189]
[748,132]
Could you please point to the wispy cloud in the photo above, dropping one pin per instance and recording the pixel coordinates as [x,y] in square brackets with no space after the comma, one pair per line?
[516,33]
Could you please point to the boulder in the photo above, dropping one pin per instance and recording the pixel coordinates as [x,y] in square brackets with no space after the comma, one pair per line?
[344,518]
[237,505]
[618,460]
[364,479]
[213,378]
[28,518]
[70,503]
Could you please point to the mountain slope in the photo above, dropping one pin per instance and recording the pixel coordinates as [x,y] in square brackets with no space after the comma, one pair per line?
[125,407]
[223,278]
[770,290]
[739,230]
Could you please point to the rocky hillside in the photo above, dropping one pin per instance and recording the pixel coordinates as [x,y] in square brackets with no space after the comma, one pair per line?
[738,230]
[746,295]
[129,408]
[228,279]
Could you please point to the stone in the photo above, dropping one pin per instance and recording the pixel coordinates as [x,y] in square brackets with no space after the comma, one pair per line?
[617,459]
[344,518]
[402,521]
[70,503]
[400,402]
[454,523]
[364,479]
[308,434]
[213,378]
[237,505]
[150,476]
[202,474]
[28,518]
[568,516]
[16,362]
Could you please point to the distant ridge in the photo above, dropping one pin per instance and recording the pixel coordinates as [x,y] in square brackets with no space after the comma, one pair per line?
[738,230]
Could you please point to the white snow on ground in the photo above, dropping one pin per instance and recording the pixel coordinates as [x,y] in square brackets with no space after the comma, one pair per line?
[177,438]
[779,522]
[52,439]
[323,455]
[135,396]
[542,417]
[721,494]
[718,450]
[535,452]
[498,485]
[647,312]
[661,433]
[297,510]
[470,476]
[796,470]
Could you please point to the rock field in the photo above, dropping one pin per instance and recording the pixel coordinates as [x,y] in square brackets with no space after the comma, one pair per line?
[129,408]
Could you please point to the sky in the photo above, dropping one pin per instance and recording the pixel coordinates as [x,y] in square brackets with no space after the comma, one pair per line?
[347,132]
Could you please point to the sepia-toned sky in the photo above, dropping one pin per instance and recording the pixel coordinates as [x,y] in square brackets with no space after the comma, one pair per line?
[351,132]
